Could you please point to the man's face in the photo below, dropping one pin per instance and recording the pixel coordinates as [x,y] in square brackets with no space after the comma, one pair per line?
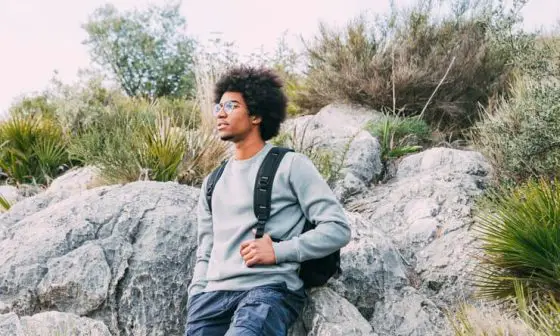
[232,117]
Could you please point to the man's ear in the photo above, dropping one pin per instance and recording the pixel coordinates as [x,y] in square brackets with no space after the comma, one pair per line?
[255,120]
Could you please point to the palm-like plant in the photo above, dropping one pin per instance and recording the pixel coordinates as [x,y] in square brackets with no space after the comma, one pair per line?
[162,149]
[34,148]
[520,232]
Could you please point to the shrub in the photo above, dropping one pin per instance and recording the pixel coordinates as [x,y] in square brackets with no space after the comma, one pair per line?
[521,136]
[399,136]
[520,234]
[34,149]
[461,60]
[132,139]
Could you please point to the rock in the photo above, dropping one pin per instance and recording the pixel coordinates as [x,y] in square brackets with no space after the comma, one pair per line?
[426,212]
[70,183]
[409,313]
[75,181]
[76,282]
[339,129]
[10,325]
[328,314]
[451,161]
[371,265]
[51,324]
[142,233]
[10,194]
[445,267]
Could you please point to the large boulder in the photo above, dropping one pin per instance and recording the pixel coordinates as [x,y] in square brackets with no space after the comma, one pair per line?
[426,210]
[122,255]
[371,267]
[339,129]
[329,314]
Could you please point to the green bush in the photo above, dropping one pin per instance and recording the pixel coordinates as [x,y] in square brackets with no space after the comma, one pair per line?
[520,234]
[399,136]
[521,136]
[461,60]
[34,149]
[132,139]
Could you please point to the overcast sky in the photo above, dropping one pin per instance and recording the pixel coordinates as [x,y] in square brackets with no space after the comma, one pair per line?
[40,36]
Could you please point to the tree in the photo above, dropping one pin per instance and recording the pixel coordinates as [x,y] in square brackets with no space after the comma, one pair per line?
[147,51]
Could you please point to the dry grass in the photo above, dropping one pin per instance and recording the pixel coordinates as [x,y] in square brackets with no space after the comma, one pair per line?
[402,70]
[204,149]
[473,321]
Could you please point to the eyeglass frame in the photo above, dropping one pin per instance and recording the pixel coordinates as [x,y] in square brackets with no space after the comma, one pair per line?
[223,106]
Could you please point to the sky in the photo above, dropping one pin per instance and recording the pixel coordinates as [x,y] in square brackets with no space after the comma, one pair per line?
[38,37]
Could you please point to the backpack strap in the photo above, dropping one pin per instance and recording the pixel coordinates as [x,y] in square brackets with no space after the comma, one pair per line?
[212,179]
[263,186]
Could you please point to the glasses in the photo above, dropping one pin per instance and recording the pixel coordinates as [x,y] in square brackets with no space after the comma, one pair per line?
[228,107]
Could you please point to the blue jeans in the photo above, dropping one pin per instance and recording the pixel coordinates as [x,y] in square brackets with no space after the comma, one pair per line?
[265,310]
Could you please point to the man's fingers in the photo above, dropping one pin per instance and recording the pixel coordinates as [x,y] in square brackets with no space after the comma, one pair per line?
[245,243]
[249,256]
[252,261]
[248,248]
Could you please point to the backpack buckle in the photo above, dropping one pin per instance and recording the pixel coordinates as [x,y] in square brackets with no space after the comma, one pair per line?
[263,181]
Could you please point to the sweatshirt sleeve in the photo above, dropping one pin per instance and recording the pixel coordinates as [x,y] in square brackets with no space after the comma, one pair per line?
[205,242]
[320,206]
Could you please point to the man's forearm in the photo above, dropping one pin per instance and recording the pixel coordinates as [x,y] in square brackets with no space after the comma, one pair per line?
[319,206]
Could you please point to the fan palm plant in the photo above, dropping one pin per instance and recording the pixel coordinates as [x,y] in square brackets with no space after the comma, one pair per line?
[520,233]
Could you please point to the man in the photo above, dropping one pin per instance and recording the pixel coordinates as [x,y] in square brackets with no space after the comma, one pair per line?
[242,285]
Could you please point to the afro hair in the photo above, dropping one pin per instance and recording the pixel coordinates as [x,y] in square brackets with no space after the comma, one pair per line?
[262,91]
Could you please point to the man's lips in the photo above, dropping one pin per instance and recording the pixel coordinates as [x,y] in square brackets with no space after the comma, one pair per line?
[222,125]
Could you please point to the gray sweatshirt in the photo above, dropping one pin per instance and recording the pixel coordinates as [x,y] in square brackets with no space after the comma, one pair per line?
[299,191]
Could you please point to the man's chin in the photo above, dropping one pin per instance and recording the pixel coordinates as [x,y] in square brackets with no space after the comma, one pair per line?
[226,137]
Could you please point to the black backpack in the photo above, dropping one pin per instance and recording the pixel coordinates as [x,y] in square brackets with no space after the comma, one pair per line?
[315,272]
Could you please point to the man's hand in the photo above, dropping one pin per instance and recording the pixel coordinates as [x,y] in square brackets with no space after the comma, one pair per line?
[258,251]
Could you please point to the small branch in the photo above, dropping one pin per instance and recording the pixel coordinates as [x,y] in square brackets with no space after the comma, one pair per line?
[437,87]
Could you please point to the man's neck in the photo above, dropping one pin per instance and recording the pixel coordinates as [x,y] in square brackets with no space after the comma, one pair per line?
[247,148]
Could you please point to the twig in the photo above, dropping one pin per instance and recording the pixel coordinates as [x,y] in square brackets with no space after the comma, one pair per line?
[437,87]
[393,78]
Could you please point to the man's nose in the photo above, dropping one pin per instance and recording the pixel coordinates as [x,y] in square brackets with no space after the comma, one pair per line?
[221,113]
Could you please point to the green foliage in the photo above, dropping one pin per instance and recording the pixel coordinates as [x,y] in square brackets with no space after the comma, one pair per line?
[146,140]
[521,136]
[163,149]
[147,51]
[5,205]
[400,63]
[32,105]
[399,136]
[34,150]
[520,234]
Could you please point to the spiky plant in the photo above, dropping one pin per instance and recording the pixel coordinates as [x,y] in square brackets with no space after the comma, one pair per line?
[34,149]
[520,234]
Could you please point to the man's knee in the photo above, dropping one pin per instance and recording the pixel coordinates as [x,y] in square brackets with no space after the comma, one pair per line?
[205,315]
[252,317]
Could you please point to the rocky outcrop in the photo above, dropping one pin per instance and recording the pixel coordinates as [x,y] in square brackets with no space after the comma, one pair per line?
[426,210]
[122,255]
[118,259]
[339,129]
